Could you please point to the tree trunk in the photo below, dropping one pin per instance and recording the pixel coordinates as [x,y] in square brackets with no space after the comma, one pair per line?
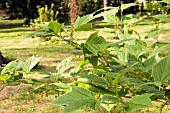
[105,4]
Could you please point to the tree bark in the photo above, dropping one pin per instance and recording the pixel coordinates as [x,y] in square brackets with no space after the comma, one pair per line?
[105,4]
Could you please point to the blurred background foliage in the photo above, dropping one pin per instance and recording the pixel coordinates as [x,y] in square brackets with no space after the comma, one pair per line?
[31,9]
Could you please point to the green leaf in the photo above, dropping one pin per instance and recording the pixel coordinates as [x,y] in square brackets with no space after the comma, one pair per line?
[95,105]
[161,71]
[83,20]
[96,80]
[11,67]
[77,93]
[101,90]
[55,26]
[4,78]
[162,18]
[108,107]
[156,51]
[125,6]
[121,75]
[148,63]
[30,63]
[138,49]
[45,33]
[64,65]
[96,43]
[139,102]
[116,44]
[153,33]
[76,105]
[60,86]
[110,18]
[84,27]
[166,1]
[113,100]
[93,60]
[77,99]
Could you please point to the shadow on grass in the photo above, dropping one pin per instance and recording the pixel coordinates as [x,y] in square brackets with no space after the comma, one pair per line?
[10,25]
[11,30]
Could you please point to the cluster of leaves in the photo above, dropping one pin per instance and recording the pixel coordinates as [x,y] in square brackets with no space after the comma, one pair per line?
[123,75]
[45,15]
[157,7]
[15,70]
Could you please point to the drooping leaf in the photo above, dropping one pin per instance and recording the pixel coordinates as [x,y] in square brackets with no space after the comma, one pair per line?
[162,18]
[121,75]
[55,26]
[29,64]
[96,80]
[84,27]
[139,102]
[112,19]
[153,33]
[61,86]
[83,20]
[125,6]
[63,65]
[101,90]
[112,11]
[161,71]
[113,100]
[96,43]
[158,50]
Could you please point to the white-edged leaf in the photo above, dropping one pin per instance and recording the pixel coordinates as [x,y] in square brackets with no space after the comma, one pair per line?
[113,100]
[108,107]
[11,67]
[125,6]
[30,63]
[64,65]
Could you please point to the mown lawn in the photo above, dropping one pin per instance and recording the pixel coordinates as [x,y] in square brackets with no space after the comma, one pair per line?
[15,45]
